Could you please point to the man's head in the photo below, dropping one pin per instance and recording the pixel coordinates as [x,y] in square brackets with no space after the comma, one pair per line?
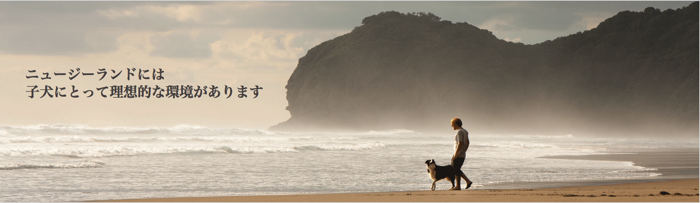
[456,123]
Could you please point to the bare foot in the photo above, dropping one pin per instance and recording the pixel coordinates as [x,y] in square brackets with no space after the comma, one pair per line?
[469,184]
[455,188]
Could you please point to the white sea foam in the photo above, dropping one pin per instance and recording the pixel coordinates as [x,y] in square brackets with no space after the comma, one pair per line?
[567,136]
[247,150]
[78,139]
[96,152]
[516,145]
[60,129]
[344,138]
[342,147]
[85,164]
[390,132]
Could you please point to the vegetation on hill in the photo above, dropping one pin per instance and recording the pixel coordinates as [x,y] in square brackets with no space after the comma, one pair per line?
[636,73]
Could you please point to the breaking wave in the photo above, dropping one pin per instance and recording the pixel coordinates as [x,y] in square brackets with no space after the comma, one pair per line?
[97,152]
[77,139]
[341,147]
[517,145]
[85,164]
[60,129]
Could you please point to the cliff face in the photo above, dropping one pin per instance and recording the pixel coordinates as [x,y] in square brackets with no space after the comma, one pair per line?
[636,73]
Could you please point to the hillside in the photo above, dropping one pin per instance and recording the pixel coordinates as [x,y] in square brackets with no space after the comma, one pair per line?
[635,74]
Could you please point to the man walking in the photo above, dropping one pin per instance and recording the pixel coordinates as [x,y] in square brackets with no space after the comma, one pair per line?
[461,146]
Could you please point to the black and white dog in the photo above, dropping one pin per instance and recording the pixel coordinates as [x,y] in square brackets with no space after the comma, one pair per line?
[438,173]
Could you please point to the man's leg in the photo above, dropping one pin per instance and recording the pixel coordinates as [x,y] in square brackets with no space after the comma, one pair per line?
[469,182]
[462,175]
[457,186]
[457,165]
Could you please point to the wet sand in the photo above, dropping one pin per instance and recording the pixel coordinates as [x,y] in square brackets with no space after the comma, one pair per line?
[679,191]
[672,163]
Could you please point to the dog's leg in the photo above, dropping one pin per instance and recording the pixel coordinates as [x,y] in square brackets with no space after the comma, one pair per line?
[452,180]
[433,187]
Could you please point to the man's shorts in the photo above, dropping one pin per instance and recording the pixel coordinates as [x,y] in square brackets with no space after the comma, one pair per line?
[457,163]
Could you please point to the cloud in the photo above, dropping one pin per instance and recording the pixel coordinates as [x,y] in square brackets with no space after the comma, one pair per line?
[179,12]
[263,46]
[113,13]
[54,41]
[53,28]
[592,20]
[262,50]
[75,28]
[61,28]
[545,20]
[498,24]
[536,22]
[182,44]
[513,40]
[529,15]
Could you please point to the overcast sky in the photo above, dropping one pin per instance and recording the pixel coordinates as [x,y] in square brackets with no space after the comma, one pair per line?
[216,43]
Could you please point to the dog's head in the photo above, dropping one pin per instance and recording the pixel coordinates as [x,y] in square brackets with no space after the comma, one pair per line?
[430,164]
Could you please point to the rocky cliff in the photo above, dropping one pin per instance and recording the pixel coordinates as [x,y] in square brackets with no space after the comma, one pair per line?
[636,73]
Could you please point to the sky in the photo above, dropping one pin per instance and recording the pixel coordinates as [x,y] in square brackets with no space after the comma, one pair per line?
[214,43]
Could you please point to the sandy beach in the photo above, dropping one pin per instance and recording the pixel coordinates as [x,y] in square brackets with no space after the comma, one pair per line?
[679,191]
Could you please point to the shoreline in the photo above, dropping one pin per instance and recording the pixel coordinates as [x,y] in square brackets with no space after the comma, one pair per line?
[679,169]
[672,163]
[685,190]
[675,163]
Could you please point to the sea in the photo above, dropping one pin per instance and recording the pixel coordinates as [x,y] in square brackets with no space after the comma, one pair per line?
[47,163]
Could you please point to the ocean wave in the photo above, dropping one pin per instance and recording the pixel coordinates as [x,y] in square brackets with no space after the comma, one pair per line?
[341,147]
[105,151]
[448,144]
[521,136]
[76,139]
[97,152]
[250,150]
[344,138]
[568,136]
[61,129]
[390,132]
[51,130]
[516,145]
[635,171]
[85,164]
[297,149]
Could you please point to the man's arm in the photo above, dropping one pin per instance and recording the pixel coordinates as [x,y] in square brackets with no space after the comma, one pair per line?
[459,148]
[466,145]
